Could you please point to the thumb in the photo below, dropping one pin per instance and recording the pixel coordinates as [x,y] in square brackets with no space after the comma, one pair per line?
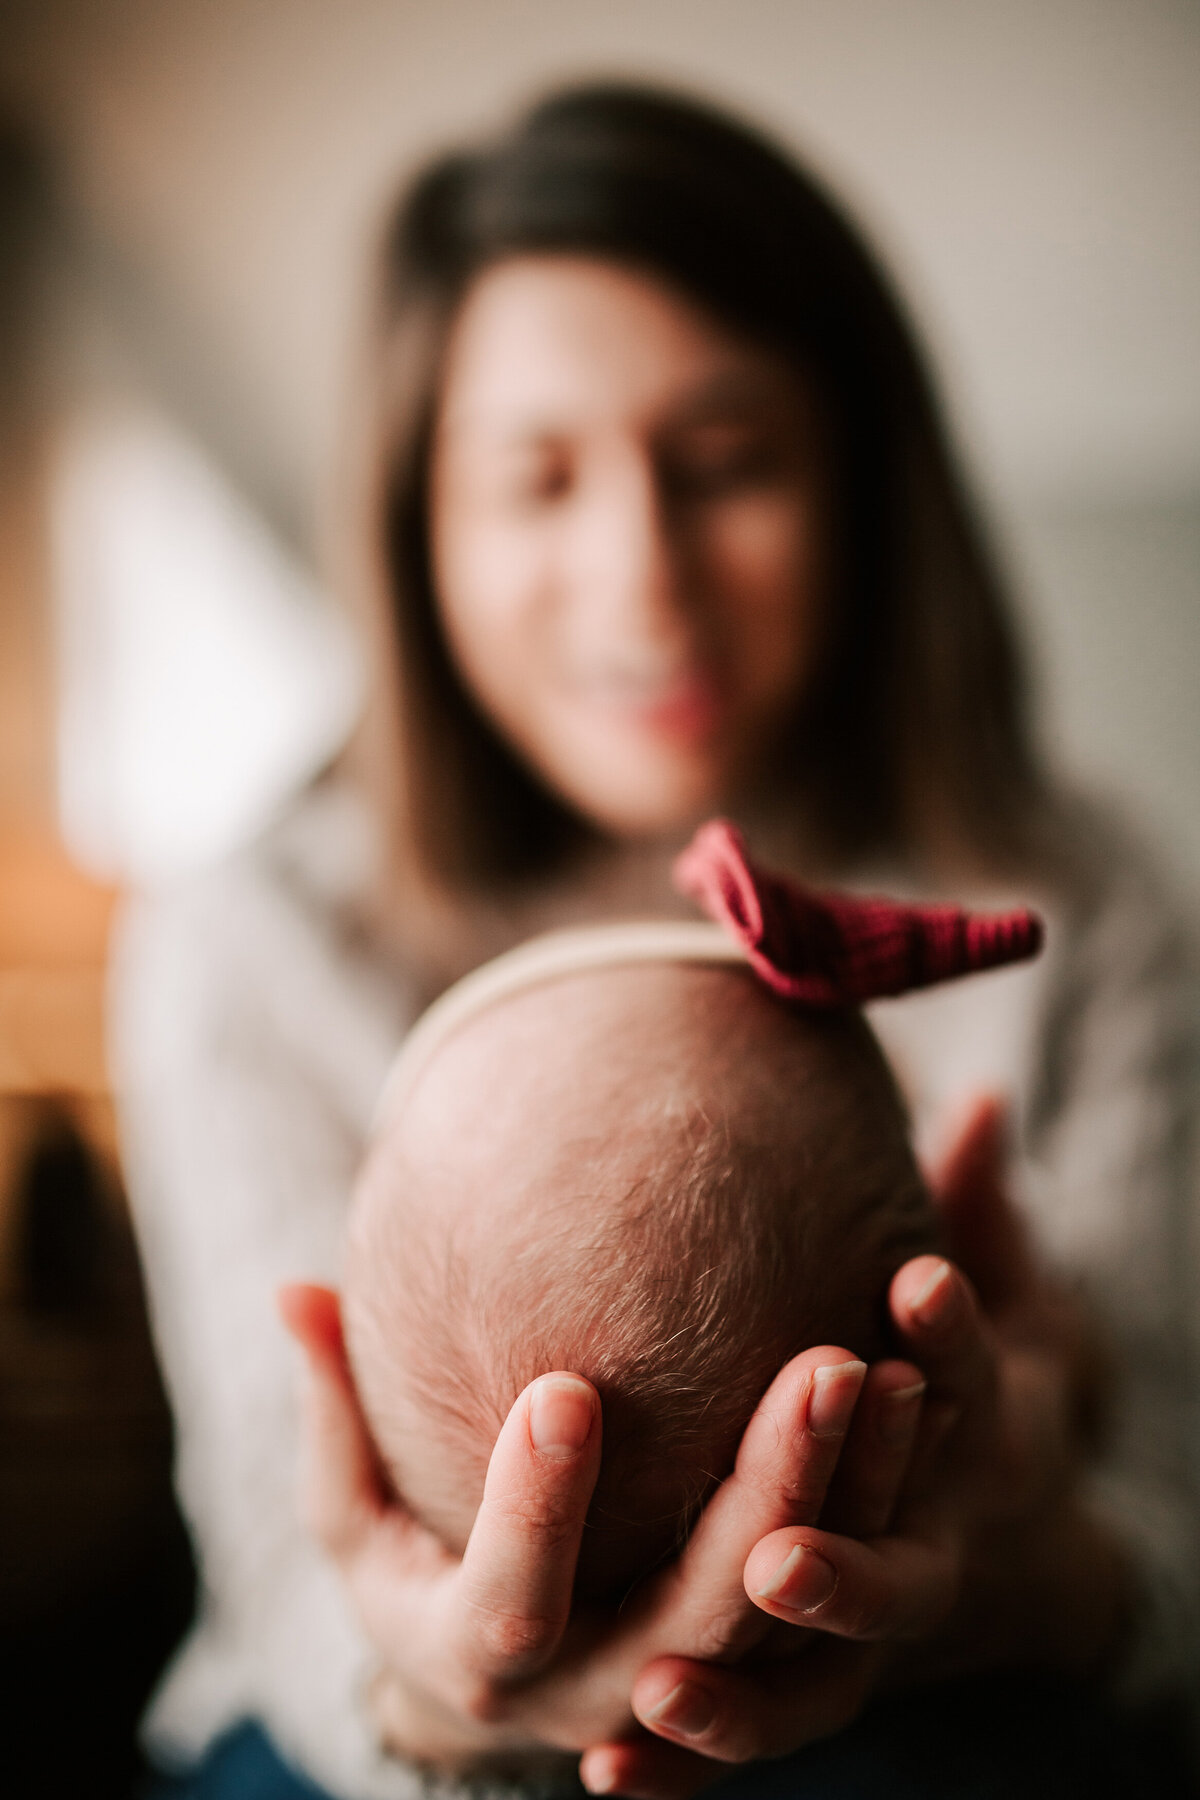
[342,1492]
[984,1233]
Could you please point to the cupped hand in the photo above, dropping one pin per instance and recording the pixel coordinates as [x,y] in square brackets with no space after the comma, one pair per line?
[987,1556]
[480,1660]
[845,1544]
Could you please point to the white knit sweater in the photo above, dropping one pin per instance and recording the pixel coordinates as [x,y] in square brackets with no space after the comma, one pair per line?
[252,1029]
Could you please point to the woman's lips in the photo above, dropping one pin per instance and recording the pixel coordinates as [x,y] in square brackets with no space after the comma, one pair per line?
[688,715]
[684,709]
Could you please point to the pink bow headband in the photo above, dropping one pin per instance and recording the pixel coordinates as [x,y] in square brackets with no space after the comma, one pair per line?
[811,949]
[836,949]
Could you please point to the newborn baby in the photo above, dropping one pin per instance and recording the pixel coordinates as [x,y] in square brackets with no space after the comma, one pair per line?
[653,1172]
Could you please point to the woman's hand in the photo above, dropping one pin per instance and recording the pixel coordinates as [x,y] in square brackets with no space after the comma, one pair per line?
[990,1558]
[479,1660]
[976,1553]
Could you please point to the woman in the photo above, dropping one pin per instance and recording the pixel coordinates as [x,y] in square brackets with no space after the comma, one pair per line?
[659,521]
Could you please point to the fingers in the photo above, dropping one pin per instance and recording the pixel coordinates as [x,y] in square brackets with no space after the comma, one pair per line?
[785,1463]
[976,1154]
[870,1472]
[733,1718]
[342,1495]
[940,1323]
[893,1588]
[513,1594]
[1038,1433]
[984,1232]
[647,1768]
[393,1567]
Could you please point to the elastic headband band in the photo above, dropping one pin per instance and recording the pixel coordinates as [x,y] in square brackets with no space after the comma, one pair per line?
[544,959]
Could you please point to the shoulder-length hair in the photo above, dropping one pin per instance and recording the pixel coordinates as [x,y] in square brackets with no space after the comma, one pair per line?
[917,743]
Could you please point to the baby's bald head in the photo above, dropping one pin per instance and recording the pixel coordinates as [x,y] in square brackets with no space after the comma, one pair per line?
[658,1176]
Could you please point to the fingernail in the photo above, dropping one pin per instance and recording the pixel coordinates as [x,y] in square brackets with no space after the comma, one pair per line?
[831,1398]
[599,1781]
[561,1411]
[803,1581]
[936,1302]
[898,1414]
[687,1709]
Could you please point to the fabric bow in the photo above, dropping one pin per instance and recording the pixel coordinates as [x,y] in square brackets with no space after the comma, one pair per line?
[823,949]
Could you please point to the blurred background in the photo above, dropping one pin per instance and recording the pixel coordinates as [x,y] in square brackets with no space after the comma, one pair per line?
[188,195]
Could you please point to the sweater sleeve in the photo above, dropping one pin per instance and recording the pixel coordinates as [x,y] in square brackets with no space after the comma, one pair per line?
[247,1048]
[1115,1186]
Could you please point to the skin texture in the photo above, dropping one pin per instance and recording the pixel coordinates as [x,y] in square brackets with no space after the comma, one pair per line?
[636,619]
[630,538]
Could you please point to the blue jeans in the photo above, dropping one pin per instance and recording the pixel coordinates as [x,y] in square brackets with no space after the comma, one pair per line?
[242,1765]
[999,1738]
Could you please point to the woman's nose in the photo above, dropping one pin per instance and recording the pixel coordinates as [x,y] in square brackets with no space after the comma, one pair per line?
[633,566]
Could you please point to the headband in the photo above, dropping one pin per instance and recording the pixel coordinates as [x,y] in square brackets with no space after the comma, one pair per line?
[841,949]
[809,948]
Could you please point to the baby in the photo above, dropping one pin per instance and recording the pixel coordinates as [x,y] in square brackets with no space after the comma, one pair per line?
[619,1151]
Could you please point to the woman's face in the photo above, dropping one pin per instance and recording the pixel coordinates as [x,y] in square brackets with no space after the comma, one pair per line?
[630,529]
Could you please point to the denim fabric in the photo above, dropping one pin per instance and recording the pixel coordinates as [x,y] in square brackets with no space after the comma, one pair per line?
[242,1765]
[997,1738]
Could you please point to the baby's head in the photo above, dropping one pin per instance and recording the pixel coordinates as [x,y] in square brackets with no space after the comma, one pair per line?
[657,1175]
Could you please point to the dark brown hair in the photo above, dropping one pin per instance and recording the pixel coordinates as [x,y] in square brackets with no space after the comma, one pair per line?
[917,742]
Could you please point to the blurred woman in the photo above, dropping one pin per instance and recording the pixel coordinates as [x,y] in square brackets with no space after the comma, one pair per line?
[656,518]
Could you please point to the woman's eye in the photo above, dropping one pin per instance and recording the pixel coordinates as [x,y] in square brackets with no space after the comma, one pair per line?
[728,465]
[537,483]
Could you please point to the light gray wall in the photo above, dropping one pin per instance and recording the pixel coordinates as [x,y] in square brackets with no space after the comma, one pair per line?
[1114,611]
[1030,169]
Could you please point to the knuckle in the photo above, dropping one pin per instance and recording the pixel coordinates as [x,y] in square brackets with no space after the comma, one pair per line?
[710,1641]
[552,1521]
[556,1539]
[802,1497]
[509,1639]
[718,1635]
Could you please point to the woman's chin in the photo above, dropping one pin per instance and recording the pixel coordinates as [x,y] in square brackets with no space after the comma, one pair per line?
[627,787]
[630,778]
[645,809]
